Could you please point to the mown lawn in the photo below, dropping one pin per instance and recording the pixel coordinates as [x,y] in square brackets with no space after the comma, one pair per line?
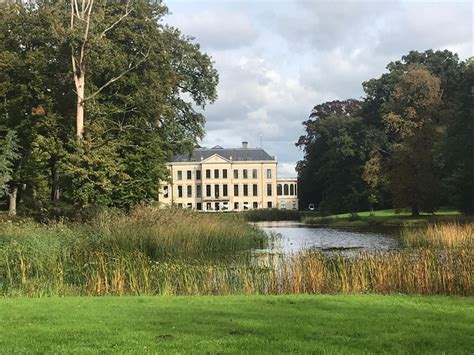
[273,324]
[389,217]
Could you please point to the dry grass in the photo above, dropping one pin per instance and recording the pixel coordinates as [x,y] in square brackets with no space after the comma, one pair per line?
[172,252]
[424,271]
[447,235]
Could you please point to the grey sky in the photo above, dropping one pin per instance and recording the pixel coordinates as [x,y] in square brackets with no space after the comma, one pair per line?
[277,59]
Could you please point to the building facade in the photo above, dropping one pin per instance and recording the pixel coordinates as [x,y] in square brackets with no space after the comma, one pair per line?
[219,179]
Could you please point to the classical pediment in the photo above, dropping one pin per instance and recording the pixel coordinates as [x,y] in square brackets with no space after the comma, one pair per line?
[216,158]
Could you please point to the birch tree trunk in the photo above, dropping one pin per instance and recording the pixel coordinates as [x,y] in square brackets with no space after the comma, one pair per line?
[80,81]
[81,10]
[13,193]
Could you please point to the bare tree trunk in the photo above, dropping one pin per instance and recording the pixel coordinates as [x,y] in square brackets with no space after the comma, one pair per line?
[81,11]
[13,193]
[54,183]
[80,81]
[81,14]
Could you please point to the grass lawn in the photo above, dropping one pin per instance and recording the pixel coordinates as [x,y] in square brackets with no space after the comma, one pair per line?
[274,324]
[387,217]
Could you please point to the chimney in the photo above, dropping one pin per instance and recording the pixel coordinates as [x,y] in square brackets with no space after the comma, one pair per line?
[244,145]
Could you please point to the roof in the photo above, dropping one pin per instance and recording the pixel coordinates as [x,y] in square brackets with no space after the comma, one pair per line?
[236,154]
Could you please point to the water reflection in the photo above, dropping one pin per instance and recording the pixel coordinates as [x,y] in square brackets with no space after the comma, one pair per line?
[296,236]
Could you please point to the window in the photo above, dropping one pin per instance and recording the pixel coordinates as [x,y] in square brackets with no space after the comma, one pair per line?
[236,190]
[246,205]
[269,189]
[255,189]
[189,174]
[208,190]
[224,190]
[285,189]
[199,206]
[198,174]
[166,191]
[224,173]
[236,205]
[236,174]
[292,189]
[269,173]
[208,206]
[198,191]
[246,190]
[245,173]
[254,173]
[189,205]
[179,175]
[208,173]
[269,204]
[216,206]
[216,190]
[180,205]
[180,191]
[189,191]
[296,193]
[225,206]
[216,173]
[279,190]
[255,205]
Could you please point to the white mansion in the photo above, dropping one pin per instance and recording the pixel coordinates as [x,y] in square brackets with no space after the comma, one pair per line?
[219,179]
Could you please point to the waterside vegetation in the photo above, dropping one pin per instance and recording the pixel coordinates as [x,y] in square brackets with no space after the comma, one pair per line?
[175,252]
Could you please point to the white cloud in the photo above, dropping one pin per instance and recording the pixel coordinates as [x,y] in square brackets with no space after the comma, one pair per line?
[278,59]
[217,28]
[286,169]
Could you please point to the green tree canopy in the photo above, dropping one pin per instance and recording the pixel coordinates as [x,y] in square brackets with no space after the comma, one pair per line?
[146,87]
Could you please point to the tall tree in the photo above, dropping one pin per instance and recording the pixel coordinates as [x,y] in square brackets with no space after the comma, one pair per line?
[411,121]
[443,64]
[144,84]
[458,147]
[8,155]
[330,175]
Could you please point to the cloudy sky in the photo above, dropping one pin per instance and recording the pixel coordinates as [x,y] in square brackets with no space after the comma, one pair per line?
[277,59]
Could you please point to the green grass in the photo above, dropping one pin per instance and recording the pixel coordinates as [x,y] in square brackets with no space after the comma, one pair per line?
[389,217]
[271,324]
[401,213]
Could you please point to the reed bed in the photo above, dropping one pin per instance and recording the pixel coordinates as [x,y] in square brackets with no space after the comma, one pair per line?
[175,252]
[162,233]
[425,271]
[446,235]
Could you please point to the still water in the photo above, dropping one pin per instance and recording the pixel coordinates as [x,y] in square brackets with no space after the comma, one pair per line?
[296,236]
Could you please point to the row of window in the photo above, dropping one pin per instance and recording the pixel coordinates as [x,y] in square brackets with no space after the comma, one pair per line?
[286,190]
[223,206]
[282,190]
[221,173]
[216,191]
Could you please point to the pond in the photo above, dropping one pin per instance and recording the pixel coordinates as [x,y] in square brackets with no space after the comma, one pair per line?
[296,236]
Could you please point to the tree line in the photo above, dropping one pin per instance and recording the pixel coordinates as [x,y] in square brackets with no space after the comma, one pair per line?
[408,143]
[95,96]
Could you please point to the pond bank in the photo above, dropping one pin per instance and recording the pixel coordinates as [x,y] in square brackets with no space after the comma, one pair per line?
[383,221]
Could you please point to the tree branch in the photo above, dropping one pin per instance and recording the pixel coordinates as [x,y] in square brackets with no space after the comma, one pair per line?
[127,12]
[130,68]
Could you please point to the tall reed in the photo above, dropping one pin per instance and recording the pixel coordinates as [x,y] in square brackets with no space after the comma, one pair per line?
[175,252]
[424,271]
[446,235]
